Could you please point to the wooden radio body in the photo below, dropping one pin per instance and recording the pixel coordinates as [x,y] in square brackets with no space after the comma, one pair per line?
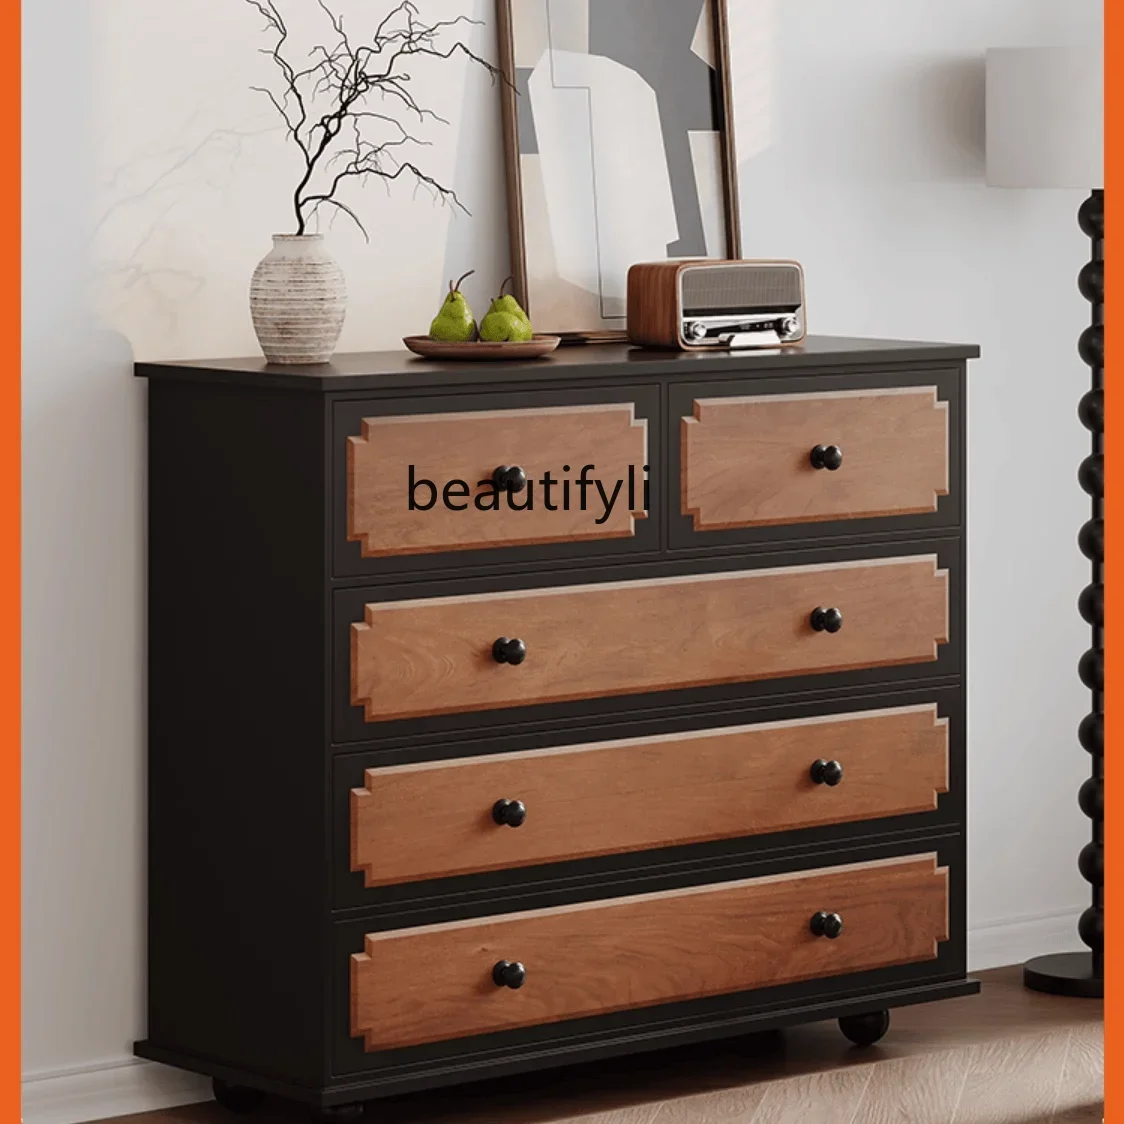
[669,300]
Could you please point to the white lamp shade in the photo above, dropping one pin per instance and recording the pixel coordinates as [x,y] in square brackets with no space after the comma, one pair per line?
[1045,117]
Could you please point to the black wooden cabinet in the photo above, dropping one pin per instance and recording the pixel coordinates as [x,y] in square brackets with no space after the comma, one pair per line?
[708,762]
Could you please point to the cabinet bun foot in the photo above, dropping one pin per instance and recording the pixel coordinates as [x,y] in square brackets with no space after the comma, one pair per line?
[236,1098]
[338,1113]
[865,1030]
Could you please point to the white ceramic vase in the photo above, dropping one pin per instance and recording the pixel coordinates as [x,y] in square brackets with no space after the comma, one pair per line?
[298,300]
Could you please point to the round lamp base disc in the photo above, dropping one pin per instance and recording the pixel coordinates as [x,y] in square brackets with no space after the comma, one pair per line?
[1068,973]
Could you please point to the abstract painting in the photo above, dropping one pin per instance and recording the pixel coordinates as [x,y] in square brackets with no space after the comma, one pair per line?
[617,149]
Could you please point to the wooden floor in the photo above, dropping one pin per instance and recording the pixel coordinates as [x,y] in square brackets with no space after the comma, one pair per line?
[1006,1056]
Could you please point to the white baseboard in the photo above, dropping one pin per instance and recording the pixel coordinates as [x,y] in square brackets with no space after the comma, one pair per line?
[128,1085]
[107,1090]
[999,943]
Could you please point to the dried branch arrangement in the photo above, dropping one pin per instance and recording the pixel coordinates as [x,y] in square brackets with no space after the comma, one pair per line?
[348,104]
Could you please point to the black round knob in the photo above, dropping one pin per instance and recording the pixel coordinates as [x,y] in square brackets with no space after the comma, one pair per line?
[1091,411]
[1090,282]
[509,973]
[1090,863]
[1090,928]
[1091,475]
[826,620]
[1090,346]
[510,477]
[509,651]
[1090,216]
[827,456]
[827,772]
[509,813]
[1091,734]
[1091,540]
[1091,604]
[1090,798]
[1091,669]
[828,925]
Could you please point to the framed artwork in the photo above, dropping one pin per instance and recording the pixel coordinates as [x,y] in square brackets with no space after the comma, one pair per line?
[618,149]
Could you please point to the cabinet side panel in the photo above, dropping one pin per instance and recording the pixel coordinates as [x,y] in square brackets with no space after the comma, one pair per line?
[237,807]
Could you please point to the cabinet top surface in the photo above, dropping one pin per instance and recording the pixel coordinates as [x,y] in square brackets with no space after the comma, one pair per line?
[403,370]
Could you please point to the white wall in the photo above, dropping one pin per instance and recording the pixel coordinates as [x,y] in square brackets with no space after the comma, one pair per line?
[152,182]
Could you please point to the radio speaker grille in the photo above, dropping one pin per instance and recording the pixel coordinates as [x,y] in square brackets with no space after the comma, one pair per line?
[746,287]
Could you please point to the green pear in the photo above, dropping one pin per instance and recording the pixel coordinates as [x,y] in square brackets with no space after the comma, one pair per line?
[508,303]
[506,321]
[454,322]
[502,327]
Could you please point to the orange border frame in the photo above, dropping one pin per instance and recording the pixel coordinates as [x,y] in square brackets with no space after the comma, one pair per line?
[1114,595]
[10,316]
[10,409]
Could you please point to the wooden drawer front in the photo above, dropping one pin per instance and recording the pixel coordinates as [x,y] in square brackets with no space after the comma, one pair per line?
[435,982]
[644,793]
[746,462]
[422,657]
[468,447]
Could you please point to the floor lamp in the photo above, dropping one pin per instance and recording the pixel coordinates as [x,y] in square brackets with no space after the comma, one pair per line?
[1045,128]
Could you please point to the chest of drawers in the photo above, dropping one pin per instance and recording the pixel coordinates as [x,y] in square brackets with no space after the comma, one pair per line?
[509,717]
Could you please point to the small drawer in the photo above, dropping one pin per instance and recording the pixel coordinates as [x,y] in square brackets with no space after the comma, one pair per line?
[814,458]
[488,651]
[446,981]
[802,458]
[414,485]
[446,818]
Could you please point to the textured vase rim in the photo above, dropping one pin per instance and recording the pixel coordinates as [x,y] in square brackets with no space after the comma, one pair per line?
[298,238]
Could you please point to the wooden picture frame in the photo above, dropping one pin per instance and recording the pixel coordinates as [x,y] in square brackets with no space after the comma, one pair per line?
[575,286]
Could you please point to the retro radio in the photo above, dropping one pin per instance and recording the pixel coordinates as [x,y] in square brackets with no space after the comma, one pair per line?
[716,304]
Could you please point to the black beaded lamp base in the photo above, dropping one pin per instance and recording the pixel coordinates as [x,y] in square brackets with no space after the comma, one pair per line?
[1067,973]
[1082,973]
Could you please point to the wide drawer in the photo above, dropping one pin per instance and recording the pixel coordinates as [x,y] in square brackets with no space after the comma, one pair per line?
[511,810]
[413,485]
[439,982]
[438,656]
